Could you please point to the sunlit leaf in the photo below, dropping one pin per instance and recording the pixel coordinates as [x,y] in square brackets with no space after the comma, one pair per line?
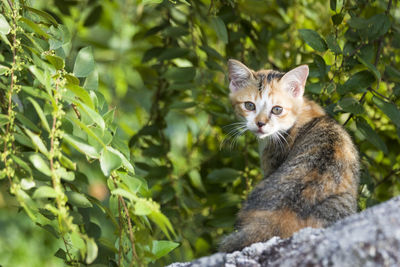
[77,199]
[109,161]
[56,61]
[92,250]
[84,63]
[81,93]
[81,146]
[45,192]
[4,26]
[40,164]
[161,248]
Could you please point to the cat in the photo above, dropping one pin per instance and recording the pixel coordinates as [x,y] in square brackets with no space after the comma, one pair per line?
[309,162]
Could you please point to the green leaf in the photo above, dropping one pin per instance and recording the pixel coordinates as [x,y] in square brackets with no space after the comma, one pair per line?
[42,14]
[332,4]
[143,207]
[84,63]
[314,88]
[357,83]
[26,122]
[109,161]
[134,184]
[81,93]
[390,109]
[78,200]
[185,74]
[4,26]
[22,163]
[313,39]
[175,32]
[40,112]
[393,73]
[3,119]
[65,175]
[371,67]
[358,23]
[27,184]
[123,193]
[173,52]
[161,248]
[195,179]
[71,79]
[81,146]
[92,81]
[56,61]
[219,27]
[151,2]
[370,135]
[60,253]
[371,28]
[86,129]
[92,250]
[337,18]
[35,27]
[35,92]
[332,44]
[40,164]
[94,16]
[224,175]
[77,240]
[37,141]
[3,69]
[96,117]
[66,162]
[162,222]
[351,105]
[125,162]
[42,77]
[44,192]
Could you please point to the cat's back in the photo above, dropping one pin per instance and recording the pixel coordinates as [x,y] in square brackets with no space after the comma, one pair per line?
[318,178]
[323,144]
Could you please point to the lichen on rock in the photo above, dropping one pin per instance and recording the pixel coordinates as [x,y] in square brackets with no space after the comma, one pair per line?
[369,238]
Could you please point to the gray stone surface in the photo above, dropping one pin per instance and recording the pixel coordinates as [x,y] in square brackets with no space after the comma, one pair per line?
[370,238]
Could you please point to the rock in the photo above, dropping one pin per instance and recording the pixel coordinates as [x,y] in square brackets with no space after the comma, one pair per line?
[370,238]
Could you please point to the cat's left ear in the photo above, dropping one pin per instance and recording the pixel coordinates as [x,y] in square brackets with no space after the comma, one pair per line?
[239,75]
[295,80]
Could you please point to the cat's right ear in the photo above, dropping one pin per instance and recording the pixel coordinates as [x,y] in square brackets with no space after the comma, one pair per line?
[239,75]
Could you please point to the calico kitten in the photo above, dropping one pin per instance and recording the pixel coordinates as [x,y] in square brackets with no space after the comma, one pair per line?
[310,165]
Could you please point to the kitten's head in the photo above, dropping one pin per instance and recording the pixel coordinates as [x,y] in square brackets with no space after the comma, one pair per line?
[269,101]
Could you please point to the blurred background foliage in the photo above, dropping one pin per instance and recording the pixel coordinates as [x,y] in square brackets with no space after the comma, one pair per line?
[133,96]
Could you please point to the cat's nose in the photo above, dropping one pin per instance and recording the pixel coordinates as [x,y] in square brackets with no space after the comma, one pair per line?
[260,124]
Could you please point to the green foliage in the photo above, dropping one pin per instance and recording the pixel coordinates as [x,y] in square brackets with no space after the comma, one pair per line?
[113,114]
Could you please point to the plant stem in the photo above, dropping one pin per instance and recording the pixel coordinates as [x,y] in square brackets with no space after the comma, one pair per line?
[130,229]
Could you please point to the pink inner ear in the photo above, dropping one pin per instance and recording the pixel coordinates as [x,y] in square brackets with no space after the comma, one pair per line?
[296,89]
[233,86]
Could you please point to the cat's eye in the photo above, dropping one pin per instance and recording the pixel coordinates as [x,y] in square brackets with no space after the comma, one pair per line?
[276,110]
[249,106]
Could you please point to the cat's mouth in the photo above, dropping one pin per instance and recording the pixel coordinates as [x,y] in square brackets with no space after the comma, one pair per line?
[261,134]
